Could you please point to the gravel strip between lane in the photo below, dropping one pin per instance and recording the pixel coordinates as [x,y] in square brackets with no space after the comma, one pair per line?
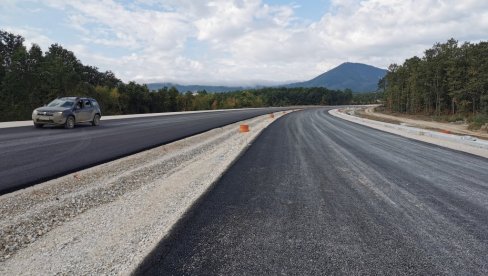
[106,219]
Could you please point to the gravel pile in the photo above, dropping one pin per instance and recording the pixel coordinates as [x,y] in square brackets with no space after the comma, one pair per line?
[105,219]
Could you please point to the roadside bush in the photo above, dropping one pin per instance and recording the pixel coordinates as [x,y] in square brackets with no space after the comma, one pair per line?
[478,121]
[455,118]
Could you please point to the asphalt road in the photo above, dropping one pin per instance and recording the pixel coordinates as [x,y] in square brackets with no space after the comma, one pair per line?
[29,156]
[316,195]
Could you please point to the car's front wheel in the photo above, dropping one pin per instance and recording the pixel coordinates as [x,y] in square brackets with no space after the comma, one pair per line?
[96,120]
[38,125]
[70,122]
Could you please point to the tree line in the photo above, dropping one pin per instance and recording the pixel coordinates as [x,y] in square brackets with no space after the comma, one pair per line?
[30,78]
[451,78]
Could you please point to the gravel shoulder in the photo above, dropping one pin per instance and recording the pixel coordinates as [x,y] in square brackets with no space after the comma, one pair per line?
[461,143]
[106,219]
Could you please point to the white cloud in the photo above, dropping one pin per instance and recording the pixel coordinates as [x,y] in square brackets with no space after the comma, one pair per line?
[245,41]
[112,24]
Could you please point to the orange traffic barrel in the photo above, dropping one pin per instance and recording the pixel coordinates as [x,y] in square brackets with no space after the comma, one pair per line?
[244,128]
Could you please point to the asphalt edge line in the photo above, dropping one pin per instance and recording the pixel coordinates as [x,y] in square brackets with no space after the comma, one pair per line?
[451,141]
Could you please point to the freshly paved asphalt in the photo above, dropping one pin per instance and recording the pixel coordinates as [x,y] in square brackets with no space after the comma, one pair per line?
[29,156]
[316,195]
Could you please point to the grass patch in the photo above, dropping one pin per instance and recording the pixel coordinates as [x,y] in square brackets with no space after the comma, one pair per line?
[456,118]
[449,118]
[478,121]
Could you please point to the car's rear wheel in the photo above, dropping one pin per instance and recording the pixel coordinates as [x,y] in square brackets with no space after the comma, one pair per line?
[38,125]
[96,120]
[70,122]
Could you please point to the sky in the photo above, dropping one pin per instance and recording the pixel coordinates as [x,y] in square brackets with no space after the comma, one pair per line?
[241,42]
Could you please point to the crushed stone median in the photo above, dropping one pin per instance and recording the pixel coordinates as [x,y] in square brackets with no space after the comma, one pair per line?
[106,219]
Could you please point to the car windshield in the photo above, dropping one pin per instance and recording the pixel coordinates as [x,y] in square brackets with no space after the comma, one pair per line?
[61,103]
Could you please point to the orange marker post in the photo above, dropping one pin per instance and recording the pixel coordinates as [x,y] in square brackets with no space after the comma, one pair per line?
[244,128]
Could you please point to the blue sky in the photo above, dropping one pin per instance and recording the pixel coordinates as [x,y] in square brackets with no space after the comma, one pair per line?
[241,41]
[307,10]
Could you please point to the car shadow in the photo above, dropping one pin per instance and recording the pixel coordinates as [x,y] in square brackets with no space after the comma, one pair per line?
[61,127]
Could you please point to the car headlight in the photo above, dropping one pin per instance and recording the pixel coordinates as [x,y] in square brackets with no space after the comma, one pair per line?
[58,113]
[34,112]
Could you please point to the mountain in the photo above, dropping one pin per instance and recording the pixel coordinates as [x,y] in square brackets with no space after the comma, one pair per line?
[356,76]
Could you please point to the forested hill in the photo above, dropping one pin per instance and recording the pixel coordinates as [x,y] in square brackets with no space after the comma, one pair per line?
[30,78]
[194,88]
[450,78]
[354,76]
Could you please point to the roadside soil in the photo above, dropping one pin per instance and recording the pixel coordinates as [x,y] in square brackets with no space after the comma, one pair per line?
[414,121]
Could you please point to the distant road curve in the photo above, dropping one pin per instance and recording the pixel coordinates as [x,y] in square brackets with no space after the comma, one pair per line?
[29,156]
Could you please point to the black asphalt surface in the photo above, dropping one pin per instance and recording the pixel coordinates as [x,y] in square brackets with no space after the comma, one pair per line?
[316,195]
[29,156]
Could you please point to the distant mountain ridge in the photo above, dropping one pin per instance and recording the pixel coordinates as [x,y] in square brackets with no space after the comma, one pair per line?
[358,77]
